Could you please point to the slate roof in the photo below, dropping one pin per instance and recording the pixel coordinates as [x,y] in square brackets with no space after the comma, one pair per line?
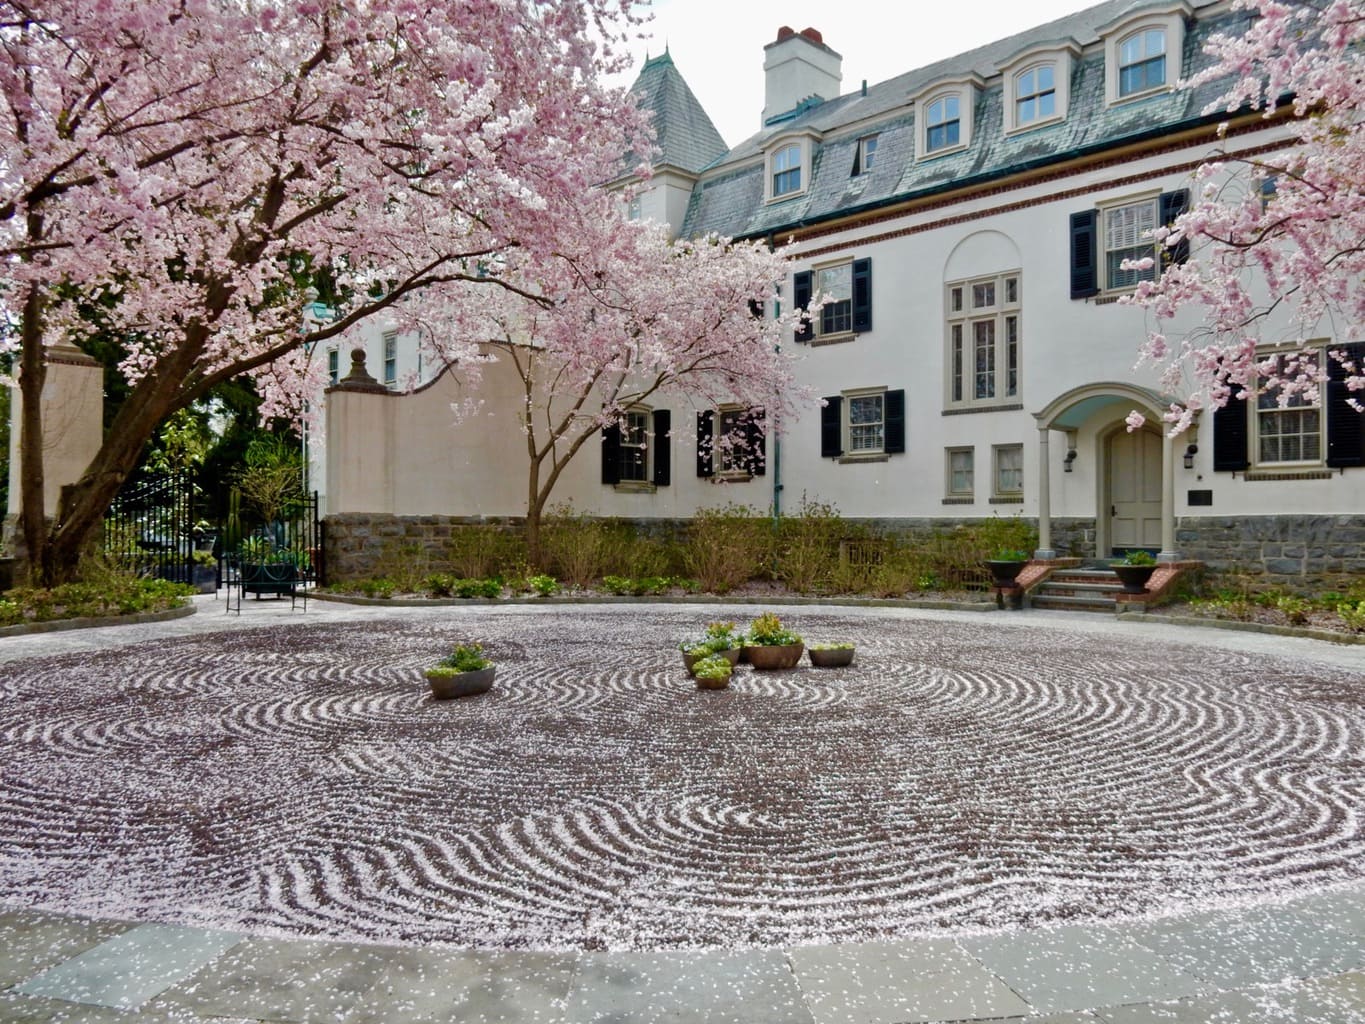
[684,133]
[729,198]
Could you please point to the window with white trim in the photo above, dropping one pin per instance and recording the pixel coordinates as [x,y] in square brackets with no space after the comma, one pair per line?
[984,341]
[1289,431]
[1035,95]
[866,155]
[333,366]
[390,357]
[1009,470]
[786,171]
[943,123]
[961,470]
[835,285]
[1127,235]
[633,457]
[1142,62]
[866,423]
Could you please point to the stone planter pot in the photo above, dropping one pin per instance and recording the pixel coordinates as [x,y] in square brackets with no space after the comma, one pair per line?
[713,684]
[1003,574]
[731,655]
[1134,577]
[766,658]
[837,658]
[461,684]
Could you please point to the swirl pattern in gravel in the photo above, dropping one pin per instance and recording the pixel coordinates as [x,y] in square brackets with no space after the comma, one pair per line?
[299,780]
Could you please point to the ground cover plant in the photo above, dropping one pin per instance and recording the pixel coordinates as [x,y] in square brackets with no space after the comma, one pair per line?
[109,594]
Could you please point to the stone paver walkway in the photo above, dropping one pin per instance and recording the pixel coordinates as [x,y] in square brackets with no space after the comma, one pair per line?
[1295,960]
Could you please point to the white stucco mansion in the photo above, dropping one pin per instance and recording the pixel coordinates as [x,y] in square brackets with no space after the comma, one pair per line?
[969,219]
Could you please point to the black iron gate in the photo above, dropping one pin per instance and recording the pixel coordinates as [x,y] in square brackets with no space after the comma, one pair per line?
[151,529]
[293,537]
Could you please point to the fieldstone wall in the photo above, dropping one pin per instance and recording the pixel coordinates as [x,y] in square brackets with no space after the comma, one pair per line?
[1294,550]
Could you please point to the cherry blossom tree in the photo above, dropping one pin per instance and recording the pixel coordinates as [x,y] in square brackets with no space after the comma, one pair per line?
[618,316]
[184,171]
[1277,241]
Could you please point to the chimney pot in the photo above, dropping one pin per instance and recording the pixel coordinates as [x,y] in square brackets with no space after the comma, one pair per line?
[813,35]
[785,32]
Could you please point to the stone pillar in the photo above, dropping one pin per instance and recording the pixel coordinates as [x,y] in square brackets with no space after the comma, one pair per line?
[359,442]
[1168,551]
[73,424]
[1044,499]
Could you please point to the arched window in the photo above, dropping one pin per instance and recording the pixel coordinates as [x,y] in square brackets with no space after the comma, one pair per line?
[943,123]
[787,170]
[1035,95]
[1142,61]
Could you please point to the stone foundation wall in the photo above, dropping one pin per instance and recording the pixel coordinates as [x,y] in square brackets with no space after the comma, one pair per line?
[1299,551]
[1293,550]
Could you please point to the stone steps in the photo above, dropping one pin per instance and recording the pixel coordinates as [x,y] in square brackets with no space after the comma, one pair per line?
[1086,589]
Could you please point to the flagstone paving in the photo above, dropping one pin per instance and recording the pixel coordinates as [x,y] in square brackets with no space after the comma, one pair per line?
[1297,957]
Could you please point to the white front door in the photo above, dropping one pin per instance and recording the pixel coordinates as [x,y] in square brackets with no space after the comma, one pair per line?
[1135,490]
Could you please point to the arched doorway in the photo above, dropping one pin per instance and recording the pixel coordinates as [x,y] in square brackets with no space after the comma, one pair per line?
[1132,481]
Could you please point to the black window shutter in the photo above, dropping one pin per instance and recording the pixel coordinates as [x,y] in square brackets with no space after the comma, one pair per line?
[1345,426]
[862,295]
[1230,434]
[663,420]
[893,414]
[1171,206]
[801,285]
[611,454]
[705,429]
[832,428]
[757,446]
[1084,263]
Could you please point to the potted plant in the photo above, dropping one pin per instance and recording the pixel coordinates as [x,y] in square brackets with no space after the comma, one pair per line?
[204,572]
[462,672]
[713,672]
[831,655]
[770,645]
[1006,565]
[719,638]
[1134,570]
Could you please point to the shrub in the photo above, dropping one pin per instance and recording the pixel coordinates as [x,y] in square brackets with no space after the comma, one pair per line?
[809,547]
[628,552]
[477,588]
[542,584]
[726,547]
[1295,608]
[376,587]
[464,658]
[481,552]
[407,565]
[111,594]
[712,667]
[1353,615]
[575,545]
[440,584]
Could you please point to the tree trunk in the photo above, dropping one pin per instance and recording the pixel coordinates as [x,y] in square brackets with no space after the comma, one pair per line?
[535,505]
[32,376]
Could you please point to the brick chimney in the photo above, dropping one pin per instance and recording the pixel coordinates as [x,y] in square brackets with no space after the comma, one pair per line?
[797,66]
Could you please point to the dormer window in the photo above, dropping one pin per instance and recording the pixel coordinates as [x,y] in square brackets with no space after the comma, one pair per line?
[943,123]
[1142,62]
[1035,95]
[866,155]
[1142,51]
[943,116]
[1036,82]
[787,171]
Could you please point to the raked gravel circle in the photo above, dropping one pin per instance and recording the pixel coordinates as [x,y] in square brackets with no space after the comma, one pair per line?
[959,776]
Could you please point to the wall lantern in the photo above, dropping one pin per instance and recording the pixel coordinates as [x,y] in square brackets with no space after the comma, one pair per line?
[1070,458]
[1190,452]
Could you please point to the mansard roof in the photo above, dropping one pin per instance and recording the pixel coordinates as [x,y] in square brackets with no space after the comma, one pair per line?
[730,197]
[684,133]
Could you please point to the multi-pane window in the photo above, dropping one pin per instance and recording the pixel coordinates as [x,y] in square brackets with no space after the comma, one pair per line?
[1128,235]
[633,208]
[983,341]
[867,155]
[942,123]
[835,286]
[1289,430]
[1009,470]
[961,472]
[390,357]
[634,452]
[787,170]
[1142,61]
[333,366]
[866,423]
[1035,96]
